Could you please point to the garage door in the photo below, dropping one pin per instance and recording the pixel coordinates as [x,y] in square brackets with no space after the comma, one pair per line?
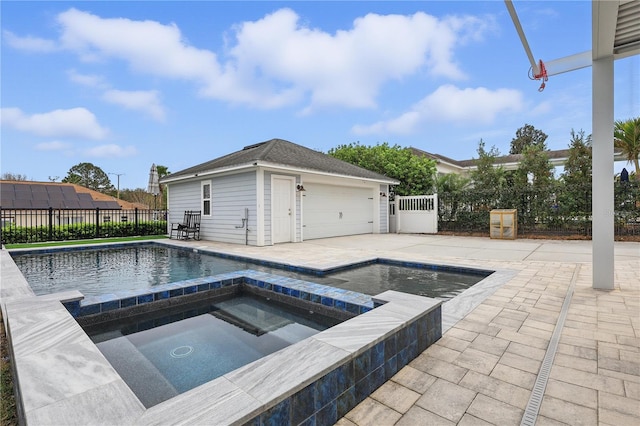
[332,211]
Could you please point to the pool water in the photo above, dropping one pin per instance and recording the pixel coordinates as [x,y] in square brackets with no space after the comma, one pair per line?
[169,352]
[110,270]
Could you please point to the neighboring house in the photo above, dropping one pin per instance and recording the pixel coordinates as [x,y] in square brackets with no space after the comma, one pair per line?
[26,203]
[275,192]
[446,165]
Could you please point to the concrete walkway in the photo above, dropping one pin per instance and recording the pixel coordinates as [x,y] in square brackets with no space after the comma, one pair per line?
[545,348]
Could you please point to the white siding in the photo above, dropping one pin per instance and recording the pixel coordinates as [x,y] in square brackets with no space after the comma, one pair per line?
[267,207]
[384,209]
[181,197]
[230,195]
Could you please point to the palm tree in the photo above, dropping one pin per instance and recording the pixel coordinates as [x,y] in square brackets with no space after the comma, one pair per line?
[626,138]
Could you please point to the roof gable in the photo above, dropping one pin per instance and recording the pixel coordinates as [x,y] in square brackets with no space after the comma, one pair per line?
[282,153]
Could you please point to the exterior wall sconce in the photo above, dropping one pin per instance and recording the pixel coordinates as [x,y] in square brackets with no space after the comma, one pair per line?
[300,188]
[383,194]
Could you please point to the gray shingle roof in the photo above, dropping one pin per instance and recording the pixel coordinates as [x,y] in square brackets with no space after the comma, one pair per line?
[282,153]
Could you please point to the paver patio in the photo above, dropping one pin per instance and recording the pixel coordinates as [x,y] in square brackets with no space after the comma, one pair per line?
[484,368]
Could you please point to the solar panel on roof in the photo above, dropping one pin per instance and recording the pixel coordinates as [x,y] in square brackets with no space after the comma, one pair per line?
[56,196]
[74,204]
[53,189]
[23,195]
[8,187]
[40,196]
[38,188]
[40,204]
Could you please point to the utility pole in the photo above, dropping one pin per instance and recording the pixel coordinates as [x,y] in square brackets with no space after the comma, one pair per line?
[118,174]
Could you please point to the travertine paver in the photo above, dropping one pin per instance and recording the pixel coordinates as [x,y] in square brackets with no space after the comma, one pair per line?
[370,412]
[496,352]
[489,409]
[447,400]
[395,396]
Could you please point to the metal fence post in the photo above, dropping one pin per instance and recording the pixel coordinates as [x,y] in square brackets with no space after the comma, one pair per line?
[50,223]
[135,215]
[97,222]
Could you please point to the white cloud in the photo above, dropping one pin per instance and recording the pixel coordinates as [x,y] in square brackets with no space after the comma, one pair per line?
[110,151]
[279,61]
[89,80]
[53,146]
[29,43]
[451,104]
[74,122]
[146,101]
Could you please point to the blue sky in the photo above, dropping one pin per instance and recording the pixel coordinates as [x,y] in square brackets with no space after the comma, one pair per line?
[123,85]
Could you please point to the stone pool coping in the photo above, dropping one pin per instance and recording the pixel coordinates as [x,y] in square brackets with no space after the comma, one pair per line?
[63,378]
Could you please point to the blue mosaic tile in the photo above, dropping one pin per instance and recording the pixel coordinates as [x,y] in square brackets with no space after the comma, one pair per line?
[345,377]
[295,293]
[327,415]
[303,404]
[161,295]
[362,390]
[390,347]
[89,309]
[286,291]
[377,355]
[326,389]
[352,308]
[315,298]
[326,301]
[191,289]
[305,295]
[378,378]
[340,304]
[311,421]
[391,367]
[362,365]
[145,298]
[110,305]
[278,415]
[364,309]
[73,308]
[128,302]
[204,287]
[346,401]
[277,288]
[176,292]
[403,338]
[403,357]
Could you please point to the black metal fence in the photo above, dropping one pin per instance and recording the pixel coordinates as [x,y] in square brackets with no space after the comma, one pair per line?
[559,211]
[39,225]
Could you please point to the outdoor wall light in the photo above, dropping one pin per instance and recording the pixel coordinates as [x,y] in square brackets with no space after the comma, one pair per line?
[383,194]
[300,188]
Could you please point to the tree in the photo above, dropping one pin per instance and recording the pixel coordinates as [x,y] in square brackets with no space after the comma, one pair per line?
[89,176]
[13,176]
[626,138]
[578,168]
[162,172]
[452,182]
[486,176]
[415,173]
[535,169]
[574,199]
[527,136]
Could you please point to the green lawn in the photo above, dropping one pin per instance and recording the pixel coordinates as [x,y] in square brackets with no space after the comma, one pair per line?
[78,242]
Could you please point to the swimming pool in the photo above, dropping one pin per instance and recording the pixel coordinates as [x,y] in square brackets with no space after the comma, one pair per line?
[113,269]
[170,351]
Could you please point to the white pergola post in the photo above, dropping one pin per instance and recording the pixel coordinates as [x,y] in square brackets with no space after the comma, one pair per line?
[603,199]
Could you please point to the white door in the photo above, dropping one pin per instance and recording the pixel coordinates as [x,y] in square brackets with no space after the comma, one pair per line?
[332,211]
[282,215]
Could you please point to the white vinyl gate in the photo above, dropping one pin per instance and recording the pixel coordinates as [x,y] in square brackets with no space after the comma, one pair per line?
[416,214]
